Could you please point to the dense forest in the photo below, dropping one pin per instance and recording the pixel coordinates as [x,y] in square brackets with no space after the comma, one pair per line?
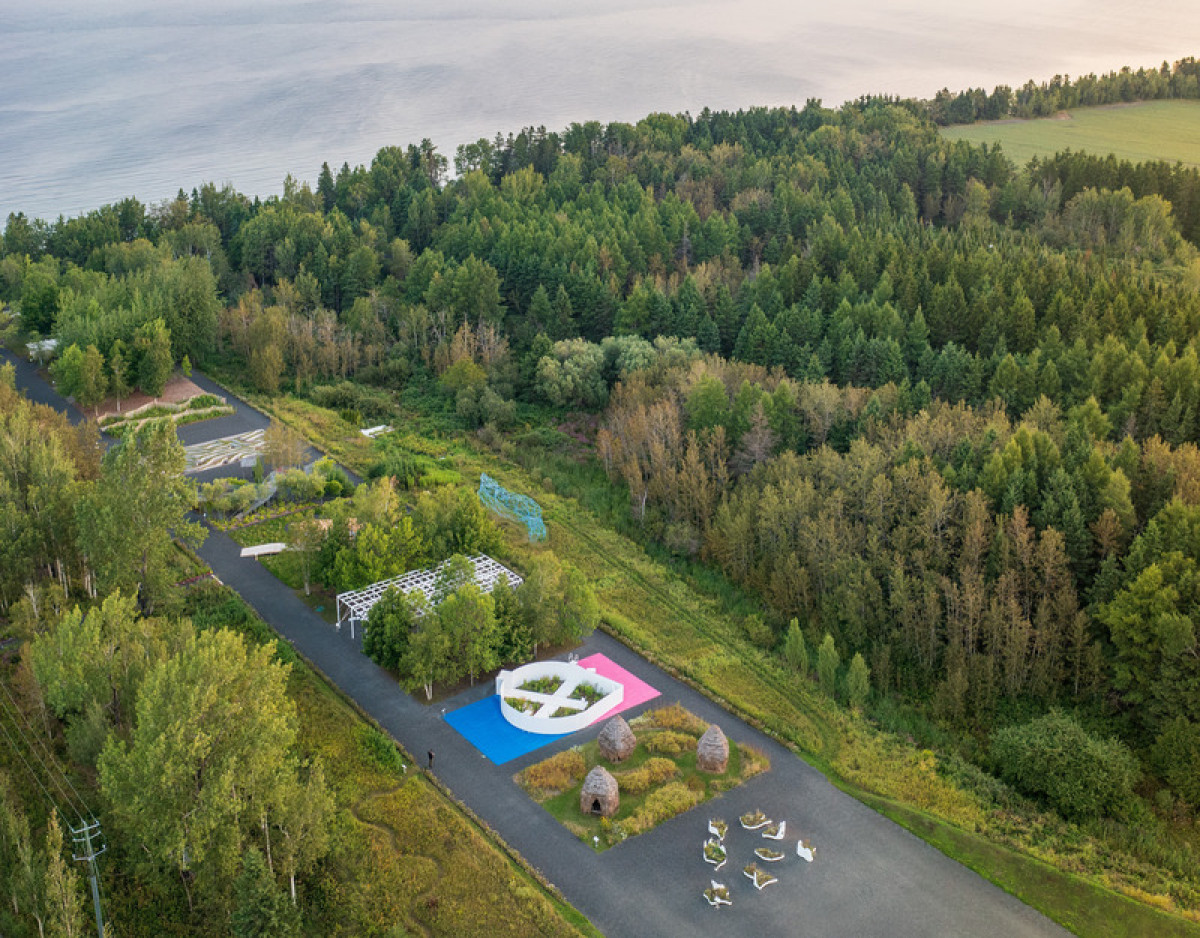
[936,412]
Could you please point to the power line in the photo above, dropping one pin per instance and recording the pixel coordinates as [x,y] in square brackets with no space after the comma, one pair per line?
[78,801]
[49,753]
[15,748]
[83,836]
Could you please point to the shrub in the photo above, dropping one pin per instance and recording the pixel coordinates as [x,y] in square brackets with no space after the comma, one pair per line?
[558,773]
[668,801]
[1055,758]
[650,773]
[542,685]
[587,692]
[378,750]
[669,743]
[348,396]
[436,477]
[675,717]
[405,467]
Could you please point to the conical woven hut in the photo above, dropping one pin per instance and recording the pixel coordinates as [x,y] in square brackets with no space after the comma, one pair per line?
[599,794]
[712,752]
[616,740]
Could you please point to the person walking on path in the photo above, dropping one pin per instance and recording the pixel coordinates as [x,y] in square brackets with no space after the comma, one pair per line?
[430,760]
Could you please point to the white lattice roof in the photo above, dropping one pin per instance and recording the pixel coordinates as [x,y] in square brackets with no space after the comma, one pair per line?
[355,604]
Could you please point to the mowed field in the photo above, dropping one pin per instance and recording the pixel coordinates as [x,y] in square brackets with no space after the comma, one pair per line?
[1150,130]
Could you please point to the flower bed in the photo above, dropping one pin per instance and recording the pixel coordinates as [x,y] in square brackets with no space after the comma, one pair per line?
[714,853]
[767,854]
[543,685]
[775,831]
[525,706]
[199,407]
[760,878]
[754,820]
[717,894]
[587,692]
[562,709]
[652,787]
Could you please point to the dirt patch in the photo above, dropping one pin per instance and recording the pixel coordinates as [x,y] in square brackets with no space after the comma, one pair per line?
[177,389]
[1060,116]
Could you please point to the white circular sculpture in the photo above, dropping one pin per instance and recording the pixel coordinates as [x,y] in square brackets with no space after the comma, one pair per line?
[535,711]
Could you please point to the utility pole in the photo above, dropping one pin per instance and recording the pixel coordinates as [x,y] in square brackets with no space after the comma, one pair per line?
[87,853]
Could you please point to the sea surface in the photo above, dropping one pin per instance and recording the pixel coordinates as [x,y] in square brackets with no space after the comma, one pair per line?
[101,99]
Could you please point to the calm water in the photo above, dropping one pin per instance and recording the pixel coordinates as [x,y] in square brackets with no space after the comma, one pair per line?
[100,99]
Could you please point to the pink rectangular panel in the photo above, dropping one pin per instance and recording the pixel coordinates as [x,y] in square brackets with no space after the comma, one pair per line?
[636,691]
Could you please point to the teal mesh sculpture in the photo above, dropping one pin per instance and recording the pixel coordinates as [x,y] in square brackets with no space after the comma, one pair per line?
[521,508]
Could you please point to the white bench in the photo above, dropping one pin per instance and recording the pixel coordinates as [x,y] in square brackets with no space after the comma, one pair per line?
[264,550]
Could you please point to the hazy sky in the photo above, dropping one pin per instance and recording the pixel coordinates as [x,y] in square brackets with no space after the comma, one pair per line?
[112,99]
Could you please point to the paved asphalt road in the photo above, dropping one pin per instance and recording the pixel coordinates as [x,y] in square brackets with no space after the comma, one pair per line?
[38,389]
[245,418]
[870,877]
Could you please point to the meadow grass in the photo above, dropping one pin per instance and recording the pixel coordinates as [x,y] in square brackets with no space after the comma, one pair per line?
[1139,132]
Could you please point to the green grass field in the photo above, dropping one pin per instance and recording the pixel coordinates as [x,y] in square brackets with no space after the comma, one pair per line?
[1151,130]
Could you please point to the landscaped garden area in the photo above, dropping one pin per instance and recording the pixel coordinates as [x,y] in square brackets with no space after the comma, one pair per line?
[756,825]
[658,780]
[191,410]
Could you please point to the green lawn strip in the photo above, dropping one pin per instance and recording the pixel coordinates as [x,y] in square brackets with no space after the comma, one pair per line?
[404,852]
[184,564]
[270,530]
[1146,131]
[564,805]
[1081,906]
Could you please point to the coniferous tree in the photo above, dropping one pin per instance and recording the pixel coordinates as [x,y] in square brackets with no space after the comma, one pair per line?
[828,664]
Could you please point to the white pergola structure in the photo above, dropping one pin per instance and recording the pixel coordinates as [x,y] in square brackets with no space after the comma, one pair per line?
[354,605]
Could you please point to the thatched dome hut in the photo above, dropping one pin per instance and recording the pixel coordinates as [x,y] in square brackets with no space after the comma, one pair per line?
[616,740]
[712,752]
[599,794]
